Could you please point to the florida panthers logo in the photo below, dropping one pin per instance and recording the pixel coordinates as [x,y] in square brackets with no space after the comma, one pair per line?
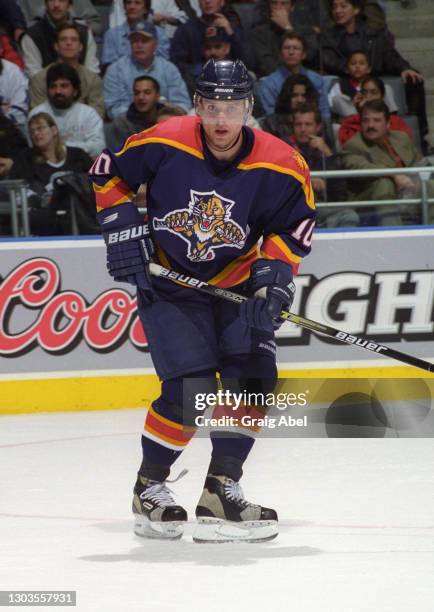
[205,225]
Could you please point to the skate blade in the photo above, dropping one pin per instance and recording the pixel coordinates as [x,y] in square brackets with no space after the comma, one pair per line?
[218,530]
[158,530]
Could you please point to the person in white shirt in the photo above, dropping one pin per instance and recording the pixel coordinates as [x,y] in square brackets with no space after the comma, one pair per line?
[79,124]
[13,92]
[166,13]
[68,47]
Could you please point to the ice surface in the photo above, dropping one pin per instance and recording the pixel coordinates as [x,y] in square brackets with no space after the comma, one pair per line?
[356,522]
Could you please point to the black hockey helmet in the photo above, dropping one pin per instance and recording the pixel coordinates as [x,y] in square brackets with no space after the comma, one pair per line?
[224,80]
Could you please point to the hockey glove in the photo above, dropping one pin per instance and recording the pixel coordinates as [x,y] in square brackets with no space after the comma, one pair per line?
[129,245]
[273,289]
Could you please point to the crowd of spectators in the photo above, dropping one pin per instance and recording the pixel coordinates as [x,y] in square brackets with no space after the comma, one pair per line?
[70,84]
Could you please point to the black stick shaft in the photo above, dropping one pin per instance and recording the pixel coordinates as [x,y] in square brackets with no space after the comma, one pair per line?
[332,332]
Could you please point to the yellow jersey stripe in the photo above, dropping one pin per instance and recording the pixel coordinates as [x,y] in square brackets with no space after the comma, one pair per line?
[167,141]
[308,192]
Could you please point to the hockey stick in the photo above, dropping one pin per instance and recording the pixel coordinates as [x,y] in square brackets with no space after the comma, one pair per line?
[369,345]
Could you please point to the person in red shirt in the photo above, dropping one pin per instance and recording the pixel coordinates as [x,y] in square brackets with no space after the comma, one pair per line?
[372,88]
[9,52]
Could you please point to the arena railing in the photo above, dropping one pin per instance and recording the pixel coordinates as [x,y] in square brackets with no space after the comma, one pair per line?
[424,173]
[17,206]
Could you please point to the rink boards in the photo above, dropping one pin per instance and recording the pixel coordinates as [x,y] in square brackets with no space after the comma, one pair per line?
[70,338]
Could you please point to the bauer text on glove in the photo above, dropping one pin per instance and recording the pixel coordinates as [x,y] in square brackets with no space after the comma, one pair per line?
[129,245]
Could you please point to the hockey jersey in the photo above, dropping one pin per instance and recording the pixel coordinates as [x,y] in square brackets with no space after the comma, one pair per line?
[209,224]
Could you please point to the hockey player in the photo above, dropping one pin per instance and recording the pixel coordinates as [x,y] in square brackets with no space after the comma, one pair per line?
[234,207]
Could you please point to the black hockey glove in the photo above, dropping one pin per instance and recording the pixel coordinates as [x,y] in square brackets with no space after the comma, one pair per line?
[129,245]
[273,288]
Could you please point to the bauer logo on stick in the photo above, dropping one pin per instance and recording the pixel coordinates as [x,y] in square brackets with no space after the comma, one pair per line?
[205,225]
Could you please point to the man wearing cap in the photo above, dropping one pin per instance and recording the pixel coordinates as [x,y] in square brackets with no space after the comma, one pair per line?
[216,44]
[186,50]
[116,40]
[142,60]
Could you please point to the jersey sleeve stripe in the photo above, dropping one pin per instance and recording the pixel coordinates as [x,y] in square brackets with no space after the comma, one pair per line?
[276,248]
[306,185]
[118,193]
[102,205]
[130,143]
[107,186]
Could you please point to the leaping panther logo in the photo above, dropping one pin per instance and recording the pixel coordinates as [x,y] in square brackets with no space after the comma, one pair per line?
[205,225]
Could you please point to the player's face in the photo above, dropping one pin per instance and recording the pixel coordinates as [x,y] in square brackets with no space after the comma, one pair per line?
[68,45]
[222,120]
[374,125]
[305,126]
[210,7]
[298,96]
[62,93]
[42,134]
[58,10]
[145,96]
[135,9]
[343,12]
[218,51]
[358,66]
[292,53]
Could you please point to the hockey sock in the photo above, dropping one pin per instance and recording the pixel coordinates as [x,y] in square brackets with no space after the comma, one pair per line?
[169,424]
[229,453]
[157,460]
[240,374]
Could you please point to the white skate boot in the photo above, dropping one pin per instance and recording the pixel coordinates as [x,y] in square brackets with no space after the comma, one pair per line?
[223,515]
[155,512]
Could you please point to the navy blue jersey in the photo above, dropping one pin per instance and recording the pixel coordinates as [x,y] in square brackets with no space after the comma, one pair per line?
[208,222]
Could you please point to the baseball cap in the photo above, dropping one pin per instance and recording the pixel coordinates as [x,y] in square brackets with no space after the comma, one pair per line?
[213,35]
[145,28]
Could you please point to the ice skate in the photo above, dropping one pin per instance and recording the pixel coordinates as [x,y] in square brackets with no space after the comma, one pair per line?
[156,514]
[223,515]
